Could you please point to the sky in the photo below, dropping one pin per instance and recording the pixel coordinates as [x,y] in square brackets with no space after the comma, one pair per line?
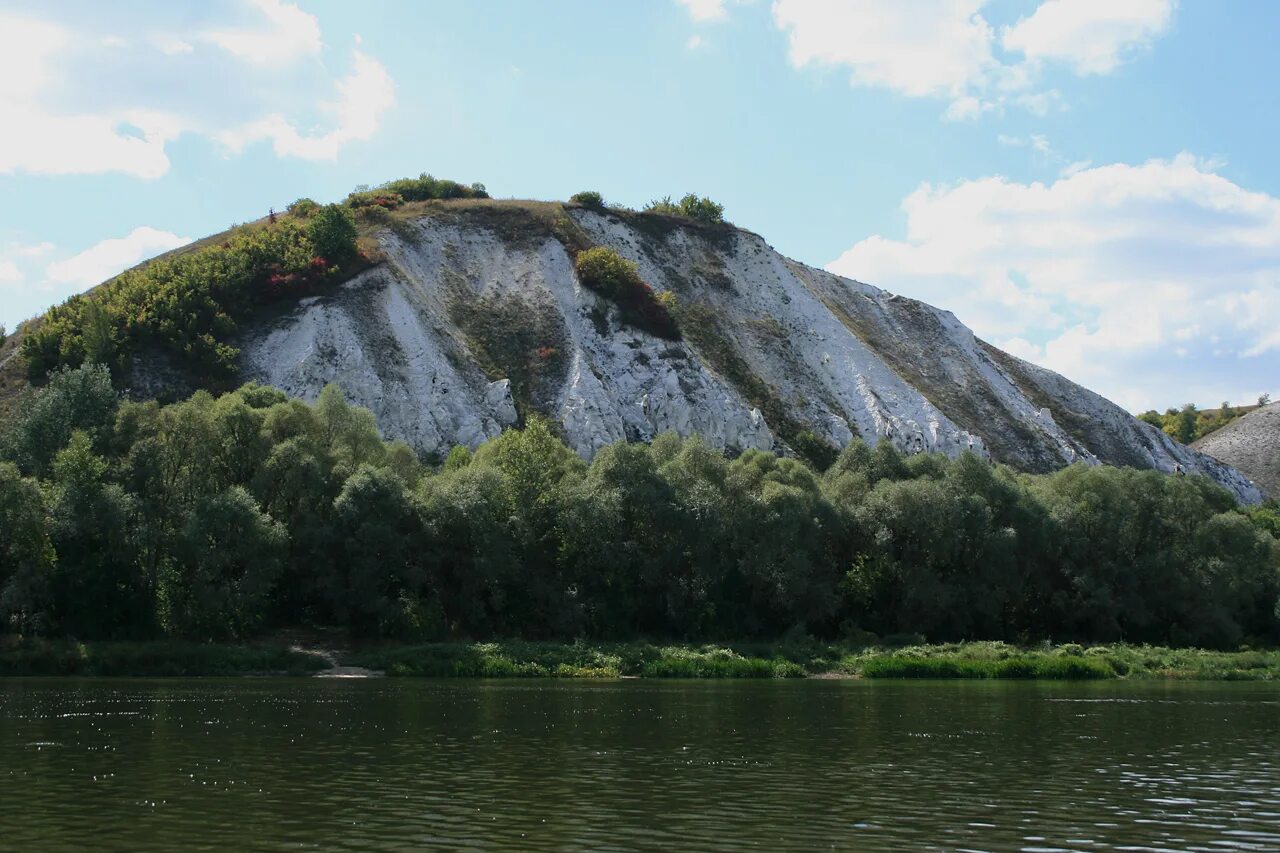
[1091,185]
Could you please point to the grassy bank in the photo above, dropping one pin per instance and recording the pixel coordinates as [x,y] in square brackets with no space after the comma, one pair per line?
[515,659]
[798,660]
[161,658]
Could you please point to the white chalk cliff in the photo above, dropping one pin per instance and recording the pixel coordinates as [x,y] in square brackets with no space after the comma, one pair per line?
[477,318]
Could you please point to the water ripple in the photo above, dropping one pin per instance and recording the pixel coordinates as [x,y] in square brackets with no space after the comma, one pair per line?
[407,765]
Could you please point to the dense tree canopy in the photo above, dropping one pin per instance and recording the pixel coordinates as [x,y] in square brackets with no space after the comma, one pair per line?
[219,517]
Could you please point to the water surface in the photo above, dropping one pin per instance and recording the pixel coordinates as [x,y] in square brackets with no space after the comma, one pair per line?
[406,764]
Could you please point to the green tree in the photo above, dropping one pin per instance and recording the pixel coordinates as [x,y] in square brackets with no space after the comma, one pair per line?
[378,583]
[78,398]
[1185,428]
[621,534]
[96,588]
[26,554]
[229,555]
[473,550]
[332,231]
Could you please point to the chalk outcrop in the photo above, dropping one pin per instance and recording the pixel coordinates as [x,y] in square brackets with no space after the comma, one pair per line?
[1250,444]
[470,324]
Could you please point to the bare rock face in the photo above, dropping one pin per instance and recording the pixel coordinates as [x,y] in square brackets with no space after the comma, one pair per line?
[1251,444]
[470,323]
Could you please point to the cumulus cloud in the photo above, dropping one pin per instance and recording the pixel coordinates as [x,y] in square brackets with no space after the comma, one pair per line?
[9,272]
[110,257]
[1148,283]
[364,96]
[285,34]
[947,48]
[37,140]
[171,45]
[32,251]
[56,123]
[705,10]
[1093,36]
[933,47]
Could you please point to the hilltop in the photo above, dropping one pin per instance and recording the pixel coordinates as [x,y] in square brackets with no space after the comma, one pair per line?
[1252,445]
[452,315]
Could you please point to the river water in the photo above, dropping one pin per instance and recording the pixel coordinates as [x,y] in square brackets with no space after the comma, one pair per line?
[856,765]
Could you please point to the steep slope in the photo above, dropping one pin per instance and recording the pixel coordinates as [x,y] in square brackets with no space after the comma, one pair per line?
[1250,444]
[477,317]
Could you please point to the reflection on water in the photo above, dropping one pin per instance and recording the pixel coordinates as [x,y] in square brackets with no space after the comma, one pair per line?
[618,765]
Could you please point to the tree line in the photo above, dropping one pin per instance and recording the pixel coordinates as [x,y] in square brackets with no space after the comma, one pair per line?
[221,517]
[1189,423]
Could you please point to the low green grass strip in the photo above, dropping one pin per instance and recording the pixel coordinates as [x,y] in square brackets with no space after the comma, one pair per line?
[152,659]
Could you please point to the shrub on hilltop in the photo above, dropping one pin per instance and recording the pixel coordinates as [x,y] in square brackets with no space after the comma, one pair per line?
[588,198]
[425,187]
[690,206]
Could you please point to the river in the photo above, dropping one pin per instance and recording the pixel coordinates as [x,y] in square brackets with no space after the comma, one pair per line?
[857,765]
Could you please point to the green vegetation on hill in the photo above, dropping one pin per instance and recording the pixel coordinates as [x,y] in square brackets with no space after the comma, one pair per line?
[691,206]
[588,198]
[188,304]
[217,518]
[618,280]
[185,307]
[1189,423]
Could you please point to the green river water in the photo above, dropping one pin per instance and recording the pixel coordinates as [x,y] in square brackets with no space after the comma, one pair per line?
[375,764]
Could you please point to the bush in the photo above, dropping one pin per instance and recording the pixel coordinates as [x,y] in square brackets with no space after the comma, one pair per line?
[425,187]
[333,233]
[375,198]
[617,279]
[606,272]
[303,208]
[588,198]
[690,206]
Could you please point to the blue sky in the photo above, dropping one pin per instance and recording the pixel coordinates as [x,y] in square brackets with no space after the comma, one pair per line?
[1091,185]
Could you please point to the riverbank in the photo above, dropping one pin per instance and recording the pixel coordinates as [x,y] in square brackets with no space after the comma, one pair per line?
[157,658]
[515,659]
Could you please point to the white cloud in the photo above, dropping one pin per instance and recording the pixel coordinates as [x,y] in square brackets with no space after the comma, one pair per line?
[946,48]
[930,47]
[704,10]
[37,140]
[57,123]
[13,257]
[171,45]
[290,34]
[9,272]
[32,251]
[364,96]
[694,42]
[1093,36]
[110,257]
[1103,275]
